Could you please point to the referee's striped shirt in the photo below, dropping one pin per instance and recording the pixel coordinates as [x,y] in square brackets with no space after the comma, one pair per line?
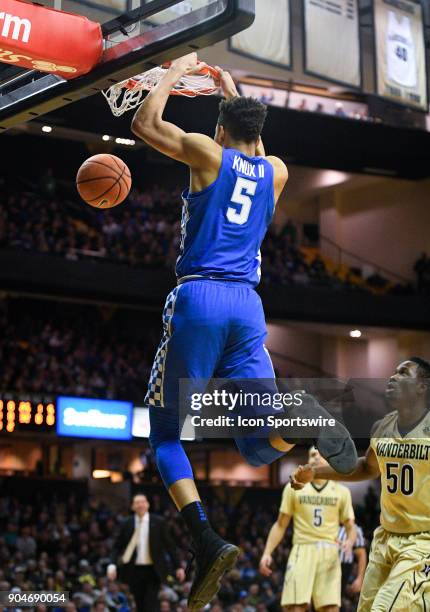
[360,542]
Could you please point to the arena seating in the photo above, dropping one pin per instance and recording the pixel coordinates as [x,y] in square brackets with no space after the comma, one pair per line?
[63,542]
[146,234]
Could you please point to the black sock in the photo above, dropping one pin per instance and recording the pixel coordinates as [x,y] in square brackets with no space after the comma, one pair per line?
[195,519]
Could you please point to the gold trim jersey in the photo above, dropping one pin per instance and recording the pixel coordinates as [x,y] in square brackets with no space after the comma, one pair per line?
[404,463]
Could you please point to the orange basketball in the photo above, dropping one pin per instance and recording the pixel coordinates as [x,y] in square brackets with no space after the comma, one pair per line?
[103,181]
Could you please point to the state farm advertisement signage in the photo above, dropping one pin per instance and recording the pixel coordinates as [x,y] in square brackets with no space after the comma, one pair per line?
[41,38]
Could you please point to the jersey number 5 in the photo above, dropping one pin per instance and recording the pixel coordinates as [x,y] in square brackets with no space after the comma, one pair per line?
[317,517]
[242,194]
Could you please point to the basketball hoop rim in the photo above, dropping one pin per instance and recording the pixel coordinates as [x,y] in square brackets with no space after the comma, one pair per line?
[205,71]
[128,94]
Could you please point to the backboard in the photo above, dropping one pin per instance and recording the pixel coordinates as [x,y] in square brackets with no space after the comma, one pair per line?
[138,35]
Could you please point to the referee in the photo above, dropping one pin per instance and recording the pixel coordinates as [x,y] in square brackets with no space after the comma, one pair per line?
[347,562]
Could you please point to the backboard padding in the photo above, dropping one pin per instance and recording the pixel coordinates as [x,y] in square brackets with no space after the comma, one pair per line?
[147,34]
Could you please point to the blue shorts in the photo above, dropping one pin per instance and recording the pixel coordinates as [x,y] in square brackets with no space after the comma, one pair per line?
[212,329]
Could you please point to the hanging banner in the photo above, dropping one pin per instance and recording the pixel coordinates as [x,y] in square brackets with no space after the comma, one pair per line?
[332,40]
[400,52]
[268,39]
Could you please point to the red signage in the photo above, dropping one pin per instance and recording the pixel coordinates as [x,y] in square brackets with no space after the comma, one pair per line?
[41,38]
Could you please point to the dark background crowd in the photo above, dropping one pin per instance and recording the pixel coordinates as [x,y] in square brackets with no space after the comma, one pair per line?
[57,543]
[58,348]
[146,234]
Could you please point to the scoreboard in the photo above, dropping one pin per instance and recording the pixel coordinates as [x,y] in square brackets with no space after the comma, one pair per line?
[65,416]
[78,417]
[29,414]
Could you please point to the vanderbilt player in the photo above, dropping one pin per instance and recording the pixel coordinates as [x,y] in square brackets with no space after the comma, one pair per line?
[313,570]
[398,575]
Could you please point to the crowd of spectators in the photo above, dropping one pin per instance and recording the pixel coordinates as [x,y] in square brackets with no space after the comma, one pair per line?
[145,233]
[311,104]
[65,545]
[285,264]
[339,110]
[82,354]
[361,110]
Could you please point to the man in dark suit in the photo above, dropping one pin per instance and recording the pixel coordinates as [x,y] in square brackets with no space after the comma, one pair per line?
[144,554]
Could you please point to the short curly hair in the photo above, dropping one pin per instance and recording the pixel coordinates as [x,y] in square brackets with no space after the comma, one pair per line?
[423,369]
[243,118]
[423,372]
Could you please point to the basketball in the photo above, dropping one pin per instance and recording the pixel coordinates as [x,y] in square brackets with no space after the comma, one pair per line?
[103,181]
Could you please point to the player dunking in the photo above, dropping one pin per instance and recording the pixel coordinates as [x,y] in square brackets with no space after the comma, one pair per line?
[398,575]
[213,320]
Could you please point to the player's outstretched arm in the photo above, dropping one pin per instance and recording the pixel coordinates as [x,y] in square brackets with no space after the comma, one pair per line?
[281,173]
[226,84]
[367,469]
[229,91]
[195,150]
[275,536]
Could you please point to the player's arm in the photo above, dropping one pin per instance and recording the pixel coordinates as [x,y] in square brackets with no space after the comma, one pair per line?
[346,517]
[275,536]
[260,151]
[361,556]
[367,468]
[280,174]
[229,91]
[351,536]
[195,150]
[226,84]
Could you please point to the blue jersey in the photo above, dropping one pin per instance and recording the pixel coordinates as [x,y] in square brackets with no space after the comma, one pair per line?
[224,225]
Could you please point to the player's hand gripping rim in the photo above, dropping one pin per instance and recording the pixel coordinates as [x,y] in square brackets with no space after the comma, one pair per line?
[187,64]
[226,84]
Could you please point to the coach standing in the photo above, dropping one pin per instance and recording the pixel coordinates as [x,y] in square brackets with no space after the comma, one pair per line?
[141,552]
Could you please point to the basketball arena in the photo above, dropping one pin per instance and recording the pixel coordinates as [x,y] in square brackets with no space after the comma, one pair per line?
[214,305]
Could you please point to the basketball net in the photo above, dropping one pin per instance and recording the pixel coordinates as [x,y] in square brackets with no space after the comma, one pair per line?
[129,94]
